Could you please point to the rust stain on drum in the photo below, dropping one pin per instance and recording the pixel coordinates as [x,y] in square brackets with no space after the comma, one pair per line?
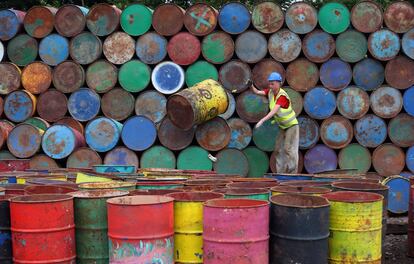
[74,124]
[9,77]
[262,70]
[235,76]
[200,19]
[168,19]
[118,104]
[366,16]
[119,47]
[302,75]
[173,137]
[399,16]
[39,21]
[213,135]
[68,76]
[388,159]
[52,105]
[36,77]
[399,72]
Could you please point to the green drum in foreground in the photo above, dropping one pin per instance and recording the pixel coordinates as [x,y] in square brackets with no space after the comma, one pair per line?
[194,158]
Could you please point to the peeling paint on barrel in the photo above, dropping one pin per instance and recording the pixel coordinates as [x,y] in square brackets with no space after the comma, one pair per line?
[12,22]
[152,105]
[308,132]
[102,134]
[121,156]
[70,20]
[386,102]
[407,43]
[200,19]
[119,47]
[388,160]
[217,47]
[351,46]
[353,102]
[235,76]
[301,18]
[370,131]
[251,107]
[54,49]
[263,69]
[335,74]
[302,74]
[117,104]
[59,141]
[267,17]
[399,72]
[213,135]
[174,137]
[336,132]
[103,19]
[52,105]
[101,76]
[9,78]
[84,104]
[384,44]
[234,18]
[151,48]
[22,49]
[400,130]
[168,19]
[241,133]
[36,77]
[399,16]
[366,16]
[184,48]
[68,76]
[19,105]
[318,46]
[284,45]
[85,48]
[39,20]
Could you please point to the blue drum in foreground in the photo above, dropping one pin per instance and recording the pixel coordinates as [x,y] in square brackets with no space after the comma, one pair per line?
[398,194]
[138,133]
[59,141]
[102,134]
[84,104]
[168,77]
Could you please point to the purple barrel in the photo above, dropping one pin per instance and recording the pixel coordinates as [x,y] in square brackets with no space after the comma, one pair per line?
[386,102]
[54,49]
[368,74]
[138,133]
[151,48]
[318,46]
[11,23]
[236,231]
[319,103]
[59,141]
[234,18]
[308,132]
[284,45]
[370,131]
[408,101]
[102,134]
[251,46]
[384,44]
[24,140]
[335,74]
[121,156]
[353,102]
[320,158]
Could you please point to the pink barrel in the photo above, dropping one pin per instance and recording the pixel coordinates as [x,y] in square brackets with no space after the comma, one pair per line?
[236,231]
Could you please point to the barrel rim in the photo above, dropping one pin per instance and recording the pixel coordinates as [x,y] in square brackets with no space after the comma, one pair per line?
[194,196]
[181,75]
[140,200]
[30,188]
[98,194]
[236,203]
[6,197]
[245,191]
[363,186]
[71,48]
[300,190]
[247,184]
[352,11]
[372,51]
[353,197]
[291,200]
[41,198]
[106,185]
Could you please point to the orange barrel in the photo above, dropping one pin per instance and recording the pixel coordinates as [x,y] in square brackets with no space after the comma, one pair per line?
[141,229]
[36,77]
[39,20]
[48,235]
[168,19]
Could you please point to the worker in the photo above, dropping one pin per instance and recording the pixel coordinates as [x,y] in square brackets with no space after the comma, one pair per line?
[287,140]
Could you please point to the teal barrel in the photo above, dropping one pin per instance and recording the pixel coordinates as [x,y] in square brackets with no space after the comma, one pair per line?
[194,158]
[101,76]
[258,161]
[247,193]
[231,161]
[158,157]
[136,19]
[217,47]
[355,156]
[334,18]
[200,71]
[22,50]
[85,48]
[134,76]
[351,46]
[265,136]
[91,225]
[400,130]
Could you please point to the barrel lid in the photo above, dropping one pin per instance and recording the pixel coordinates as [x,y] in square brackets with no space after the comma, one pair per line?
[366,16]
[119,47]
[83,157]
[234,18]
[158,157]
[230,108]
[84,104]
[267,17]
[10,80]
[102,134]
[200,71]
[407,43]
[217,47]
[71,122]
[137,200]
[284,45]
[152,105]
[22,49]
[12,21]
[388,159]
[400,130]
[98,194]
[24,140]
[136,19]
[236,203]
[101,76]
[320,158]
[168,77]
[368,67]
[52,105]
[399,72]
[353,197]
[263,69]
[251,46]
[85,48]
[398,194]
[144,138]
[70,20]
[265,136]
[301,200]
[251,107]
[117,104]
[318,46]
[68,76]
[235,76]
[301,18]
[231,161]
[258,161]
[355,156]
[335,74]
[174,137]
[302,75]
[168,19]
[200,19]
[336,132]
[194,196]
[214,134]
[102,19]
[184,48]
[384,44]
[25,103]
[351,46]
[54,49]
[334,18]
[36,77]
[39,20]
[386,102]
[41,198]
[57,136]
[151,48]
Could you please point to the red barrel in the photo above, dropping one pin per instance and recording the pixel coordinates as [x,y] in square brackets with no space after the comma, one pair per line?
[410,252]
[48,235]
[141,229]
[184,48]
[48,189]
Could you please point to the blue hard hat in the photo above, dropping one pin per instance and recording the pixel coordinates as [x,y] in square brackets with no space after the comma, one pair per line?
[275,76]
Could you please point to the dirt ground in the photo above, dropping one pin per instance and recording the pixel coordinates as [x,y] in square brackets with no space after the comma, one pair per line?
[396,250]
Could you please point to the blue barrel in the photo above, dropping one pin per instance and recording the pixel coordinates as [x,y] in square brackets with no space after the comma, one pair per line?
[408,101]
[24,140]
[335,74]
[151,48]
[308,132]
[102,134]
[319,103]
[152,105]
[336,132]
[168,77]
[234,18]
[398,194]
[84,104]
[5,233]
[370,131]
[11,23]
[407,43]
[320,158]
[251,46]
[59,141]
[409,159]
[19,106]
[241,133]
[318,46]
[368,74]
[54,49]
[384,44]
[353,102]
[386,102]
[121,156]
[138,133]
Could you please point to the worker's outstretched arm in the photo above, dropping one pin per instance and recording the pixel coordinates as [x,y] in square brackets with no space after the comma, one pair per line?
[268,116]
[256,91]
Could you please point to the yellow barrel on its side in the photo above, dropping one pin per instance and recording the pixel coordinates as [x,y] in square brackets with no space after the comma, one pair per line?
[355,227]
[188,225]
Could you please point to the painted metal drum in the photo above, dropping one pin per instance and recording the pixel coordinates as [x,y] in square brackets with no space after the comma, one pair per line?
[118,104]
[308,132]
[200,71]
[83,158]
[59,141]
[68,76]
[5,129]
[351,46]
[334,18]
[101,76]
[24,140]
[320,158]
[174,137]
[384,44]
[386,102]
[54,49]
[22,50]
[234,18]
[251,46]
[302,74]
[52,105]
[152,105]
[366,16]
[121,156]
[19,105]
[355,156]
[213,135]
[409,159]
[102,134]
[335,74]
[200,19]
[138,133]
[85,48]
[158,157]
[284,45]
[217,47]
[119,47]
[318,46]
[39,20]
[398,194]
[258,162]
[36,77]
[296,98]
[184,48]
[368,74]
[10,79]
[301,18]
[267,17]
[407,43]
[399,16]
[194,158]
[37,122]
[400,130]
[370,131]
[84,104]
[136,19]
[319,103]
[151,48]
[223,219]
[336,132]
[408,101]
[103,19]
[134,76]
[251,107]
[235,76]
[11,21]
[241,133]
[168,19]
[265,136]
[353,102]
[43,162]
[69,121]
[70,20]
[388,159]
[263,69]
[167,77]
[399,72]
[6,256]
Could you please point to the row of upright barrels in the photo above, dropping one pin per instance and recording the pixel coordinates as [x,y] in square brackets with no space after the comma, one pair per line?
[108,74]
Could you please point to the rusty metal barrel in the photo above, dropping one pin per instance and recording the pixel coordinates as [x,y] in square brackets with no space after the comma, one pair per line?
[184,48]
[301,17]
[236,230]
[386,102]
[366,16]
[251,107]
[102,134]
[103,19]
[399,16]
[84,104]
[384,44]
[5,129]
[251,46]
[54,49]
[39,21]
[308,132]
[319,103]
[140,229]
[119,47]
[48,189]
[5,233]
[407,43]
[52,105]
[200,19]
[121,156]
[399,72]
[355,156]
[318,46]
[373,69]
[51,221]
[267,17]
[299,229]
[83,157]
[10,79]
[70,20]
[284,45]
[320,158]
[336,132]
[235,76]
[59,141]
[101,76]
[136,19]
[302,75]
[234,18]
[213,135]
[85,48]
[335,74]
[217,47]
[68,76]
[22,49]
[24,140]
[388,159]
[12,22]
[241,133]
[168,19]
[92,225]
[36,77]
[173,137]
[351,46]
[151,48]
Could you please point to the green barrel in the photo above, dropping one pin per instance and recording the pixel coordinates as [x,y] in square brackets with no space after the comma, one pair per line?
[134,76]
[136,19]
[217,47]
[247,193]
[334,18]
[264,137]
[158,157]
[351,46]
[22,50]
[91,225]
[101,76]
[194,158]
[200,71]
[231,161]
[37,122]
[258,161]
[355,156]
[161,185]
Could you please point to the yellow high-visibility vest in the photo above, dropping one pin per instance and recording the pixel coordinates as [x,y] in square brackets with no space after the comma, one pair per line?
[284,117]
